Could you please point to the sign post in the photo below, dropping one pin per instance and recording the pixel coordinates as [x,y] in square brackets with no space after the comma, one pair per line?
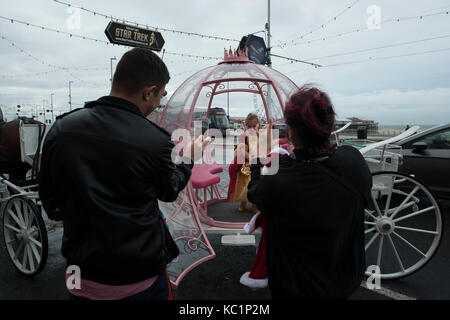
[124,34]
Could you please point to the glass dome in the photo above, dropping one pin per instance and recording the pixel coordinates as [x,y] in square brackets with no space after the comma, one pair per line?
[236,73]
[193,100]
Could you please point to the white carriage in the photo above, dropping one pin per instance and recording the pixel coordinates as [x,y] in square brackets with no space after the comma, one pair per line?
[24,227]
[403,222]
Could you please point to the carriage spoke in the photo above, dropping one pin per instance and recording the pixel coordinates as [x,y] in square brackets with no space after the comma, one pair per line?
[369,230]
[35,252]
[25,258]
[15,218]
[417,230]
[30,218]
[371,241]
[12,228]
[376,206]
[414,214]
[400,207]
[380,249]
[17,205]
[11,241]
[19,250]
[370,214]
[30,257]
[408,243]
[25,215]
[396,253]
[35,241]
[388,201]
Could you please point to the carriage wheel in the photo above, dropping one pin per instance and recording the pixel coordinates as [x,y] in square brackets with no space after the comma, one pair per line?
[25,235]
[403,225]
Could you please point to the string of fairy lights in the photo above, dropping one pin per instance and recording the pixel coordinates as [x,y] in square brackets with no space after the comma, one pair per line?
[371,59]
[27,75]
[74,35]
[27,53]
[299,40]
[361,29]
[197,57]
[322,26]
[406,43]
[95,13]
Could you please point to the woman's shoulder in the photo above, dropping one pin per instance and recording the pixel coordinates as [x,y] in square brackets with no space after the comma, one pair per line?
[347,153]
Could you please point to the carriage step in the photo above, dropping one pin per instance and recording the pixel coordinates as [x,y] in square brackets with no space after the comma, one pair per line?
[238,240]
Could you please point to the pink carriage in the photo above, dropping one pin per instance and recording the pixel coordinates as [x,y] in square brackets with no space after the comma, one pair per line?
[202,208]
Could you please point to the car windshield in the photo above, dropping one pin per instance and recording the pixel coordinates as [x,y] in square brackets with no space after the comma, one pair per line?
[423,133]
[221,121]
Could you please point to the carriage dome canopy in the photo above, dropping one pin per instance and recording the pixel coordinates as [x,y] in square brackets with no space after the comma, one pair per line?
[236,73]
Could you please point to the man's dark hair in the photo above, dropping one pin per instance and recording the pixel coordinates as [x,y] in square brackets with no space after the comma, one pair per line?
[139,68]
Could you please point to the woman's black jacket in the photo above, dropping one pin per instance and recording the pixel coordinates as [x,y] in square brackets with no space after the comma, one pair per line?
[315,230]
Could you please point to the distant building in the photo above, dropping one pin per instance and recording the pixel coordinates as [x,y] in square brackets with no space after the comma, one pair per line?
[371,126]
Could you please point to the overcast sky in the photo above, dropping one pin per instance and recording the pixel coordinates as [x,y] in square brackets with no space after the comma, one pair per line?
[413,89]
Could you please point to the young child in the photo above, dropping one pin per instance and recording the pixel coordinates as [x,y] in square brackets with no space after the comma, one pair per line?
[240,172]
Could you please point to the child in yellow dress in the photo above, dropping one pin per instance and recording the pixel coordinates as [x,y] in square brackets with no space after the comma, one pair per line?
[239,170]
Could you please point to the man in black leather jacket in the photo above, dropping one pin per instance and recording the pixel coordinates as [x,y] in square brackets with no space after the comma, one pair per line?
[103,169]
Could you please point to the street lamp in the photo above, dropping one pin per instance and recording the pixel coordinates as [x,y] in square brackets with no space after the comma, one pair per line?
[111,59]
[70,96]
[51,99]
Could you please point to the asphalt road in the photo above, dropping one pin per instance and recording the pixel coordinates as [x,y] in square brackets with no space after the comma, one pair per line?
[218,279]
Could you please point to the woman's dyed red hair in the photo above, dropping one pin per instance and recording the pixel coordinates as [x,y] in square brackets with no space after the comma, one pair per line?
[310,114]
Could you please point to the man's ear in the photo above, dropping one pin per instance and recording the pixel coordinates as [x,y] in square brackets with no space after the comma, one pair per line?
[148,91]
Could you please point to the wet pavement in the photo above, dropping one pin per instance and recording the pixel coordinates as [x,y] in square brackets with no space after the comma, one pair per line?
[216,279]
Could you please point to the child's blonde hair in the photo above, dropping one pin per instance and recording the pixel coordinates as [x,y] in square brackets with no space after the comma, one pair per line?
[251,117]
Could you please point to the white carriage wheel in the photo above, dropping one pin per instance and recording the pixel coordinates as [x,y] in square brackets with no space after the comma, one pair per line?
[25,235]
[385,220]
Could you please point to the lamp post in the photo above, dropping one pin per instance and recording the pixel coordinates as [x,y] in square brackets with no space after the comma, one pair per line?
[70,96]
[51,99]
[111,60]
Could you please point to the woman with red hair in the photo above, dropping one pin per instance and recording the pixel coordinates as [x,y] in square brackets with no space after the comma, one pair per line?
[314,206]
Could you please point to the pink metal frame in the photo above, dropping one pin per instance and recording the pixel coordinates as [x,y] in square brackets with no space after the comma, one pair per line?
[202,207]
[193,204]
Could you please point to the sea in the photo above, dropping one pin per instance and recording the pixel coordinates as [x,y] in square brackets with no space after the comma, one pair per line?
[388,130]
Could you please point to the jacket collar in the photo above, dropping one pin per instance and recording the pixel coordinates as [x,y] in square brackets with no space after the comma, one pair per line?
[115,102]
[303,155]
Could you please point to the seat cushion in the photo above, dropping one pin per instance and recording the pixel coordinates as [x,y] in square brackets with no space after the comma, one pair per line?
[203,175]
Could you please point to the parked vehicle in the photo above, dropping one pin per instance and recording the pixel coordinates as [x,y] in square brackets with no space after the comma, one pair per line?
[426,155]
[217,119]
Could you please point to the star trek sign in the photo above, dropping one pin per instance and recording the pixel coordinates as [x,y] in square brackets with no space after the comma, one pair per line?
[128,35]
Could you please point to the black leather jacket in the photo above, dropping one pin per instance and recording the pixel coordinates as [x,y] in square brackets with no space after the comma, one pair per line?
[103,168]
